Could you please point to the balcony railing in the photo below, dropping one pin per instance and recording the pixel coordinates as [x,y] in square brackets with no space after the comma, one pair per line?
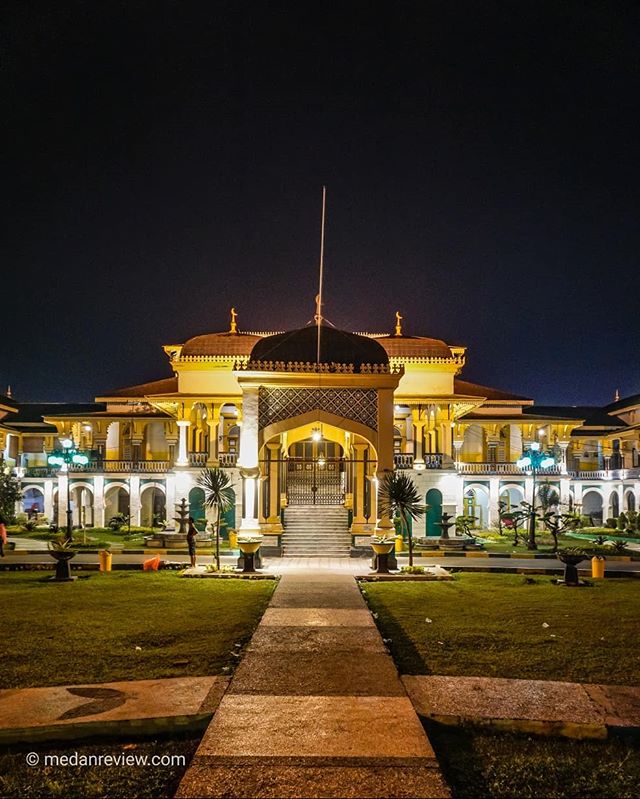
[605,474]
[501,468]
[227,460]
[97,466]
[403,460]
[198,458]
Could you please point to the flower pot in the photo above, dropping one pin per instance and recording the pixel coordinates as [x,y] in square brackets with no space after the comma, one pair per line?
[63,569]
[249,549]
[570,567]
[382,555]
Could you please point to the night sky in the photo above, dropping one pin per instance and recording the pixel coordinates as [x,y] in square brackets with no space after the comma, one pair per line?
[164,161]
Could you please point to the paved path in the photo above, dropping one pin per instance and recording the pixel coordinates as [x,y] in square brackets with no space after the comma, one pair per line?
[316,708]
[572,710]
[356,566]
[141,707]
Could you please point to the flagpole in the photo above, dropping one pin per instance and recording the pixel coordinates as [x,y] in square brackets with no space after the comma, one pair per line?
[319,309]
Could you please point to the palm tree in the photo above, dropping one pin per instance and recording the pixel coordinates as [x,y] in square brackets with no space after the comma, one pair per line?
[399,495]
[218,494]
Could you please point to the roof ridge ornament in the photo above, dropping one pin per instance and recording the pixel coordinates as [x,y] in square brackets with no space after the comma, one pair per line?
[233,328]
[398,324]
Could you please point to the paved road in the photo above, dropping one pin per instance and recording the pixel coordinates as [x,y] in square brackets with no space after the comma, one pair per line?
[344,565]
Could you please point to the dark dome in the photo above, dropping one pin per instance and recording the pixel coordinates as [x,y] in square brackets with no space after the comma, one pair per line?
[336,346]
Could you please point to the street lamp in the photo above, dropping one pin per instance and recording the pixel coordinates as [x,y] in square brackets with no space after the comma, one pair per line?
[533,460]
[63,459]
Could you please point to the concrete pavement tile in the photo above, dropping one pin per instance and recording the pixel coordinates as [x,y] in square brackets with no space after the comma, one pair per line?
[321,726]
[620,704]
[310,673]
[316,617]
[139,699]
[496,698]
[316,639]
[308,782]
[317,597]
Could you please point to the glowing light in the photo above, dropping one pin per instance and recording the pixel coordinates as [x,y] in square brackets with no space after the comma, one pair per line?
[547,462]
[541,431]
[316,435]
[535,446]
[321,461]
[523,463]
[87,428]
[67,443]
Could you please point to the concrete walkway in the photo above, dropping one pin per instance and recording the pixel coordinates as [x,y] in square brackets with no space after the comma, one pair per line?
[544,707]
[316,708]
[139,707]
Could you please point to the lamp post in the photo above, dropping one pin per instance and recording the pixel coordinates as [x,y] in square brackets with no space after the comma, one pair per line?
[63,459]
[534,459]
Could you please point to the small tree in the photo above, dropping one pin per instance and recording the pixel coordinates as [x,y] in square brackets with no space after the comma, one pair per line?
[399,495]
[10,493]
[514,520]
[560,523]
[548,497]
[218,494]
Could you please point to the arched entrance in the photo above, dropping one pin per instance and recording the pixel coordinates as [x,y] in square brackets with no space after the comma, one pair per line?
[152,506]
[434,511]
[33,501]
[592,506]
[315,472]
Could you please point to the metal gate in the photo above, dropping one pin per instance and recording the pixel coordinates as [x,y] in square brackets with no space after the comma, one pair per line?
[315,482]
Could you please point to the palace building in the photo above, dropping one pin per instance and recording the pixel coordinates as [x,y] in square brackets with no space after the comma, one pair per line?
[308,422]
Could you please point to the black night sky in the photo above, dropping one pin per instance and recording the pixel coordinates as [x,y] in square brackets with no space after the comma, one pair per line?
[164,161]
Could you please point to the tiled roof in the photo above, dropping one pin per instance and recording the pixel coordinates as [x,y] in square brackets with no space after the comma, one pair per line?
[167,385]
[221,344]
[414,347]
[477,390]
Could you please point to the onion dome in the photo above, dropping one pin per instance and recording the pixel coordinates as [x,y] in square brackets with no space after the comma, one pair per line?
[336,347]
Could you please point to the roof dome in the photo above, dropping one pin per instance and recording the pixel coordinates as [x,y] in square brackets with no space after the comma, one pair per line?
[414,347]
[336,346]
[232,344]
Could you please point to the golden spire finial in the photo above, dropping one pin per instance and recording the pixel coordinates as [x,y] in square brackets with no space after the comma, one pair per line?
[616,396]
[234,324]
[398,324]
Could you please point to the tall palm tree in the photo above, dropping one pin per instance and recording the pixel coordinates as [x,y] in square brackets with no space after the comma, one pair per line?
[399,495]
[218,494]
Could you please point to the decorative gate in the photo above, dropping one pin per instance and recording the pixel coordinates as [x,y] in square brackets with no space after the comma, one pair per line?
[315,482]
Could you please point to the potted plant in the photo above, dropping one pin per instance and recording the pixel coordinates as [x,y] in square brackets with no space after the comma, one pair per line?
[571,557]
[249,545]
[382,545]
[62,552]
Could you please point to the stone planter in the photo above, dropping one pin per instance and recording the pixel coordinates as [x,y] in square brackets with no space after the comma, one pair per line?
[570,568]
[249,549]
[63,568]
[382,552]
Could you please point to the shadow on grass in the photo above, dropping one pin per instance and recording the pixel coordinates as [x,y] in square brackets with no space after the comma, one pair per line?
[407,658]
[485,764]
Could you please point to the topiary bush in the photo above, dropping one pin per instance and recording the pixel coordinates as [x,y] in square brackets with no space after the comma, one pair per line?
[611,523]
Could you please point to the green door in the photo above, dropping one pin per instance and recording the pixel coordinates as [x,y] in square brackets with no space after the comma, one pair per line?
[228,521]
[196,507]
[434,513]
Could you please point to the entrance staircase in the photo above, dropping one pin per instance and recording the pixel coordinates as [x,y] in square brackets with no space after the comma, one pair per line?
[312,531]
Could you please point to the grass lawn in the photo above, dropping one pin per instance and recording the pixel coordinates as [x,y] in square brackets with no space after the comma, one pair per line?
[19,780]
[88,630]
[483,764]
[491,625]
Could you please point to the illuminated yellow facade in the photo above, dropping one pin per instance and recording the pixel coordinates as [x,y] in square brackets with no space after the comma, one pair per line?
[300,426]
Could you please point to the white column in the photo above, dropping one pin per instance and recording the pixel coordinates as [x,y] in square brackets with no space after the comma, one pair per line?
[563,456]
[248,461]
[494,496]
[134,500]
[48,500]
[63,482]
[98,501]
[183,458]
